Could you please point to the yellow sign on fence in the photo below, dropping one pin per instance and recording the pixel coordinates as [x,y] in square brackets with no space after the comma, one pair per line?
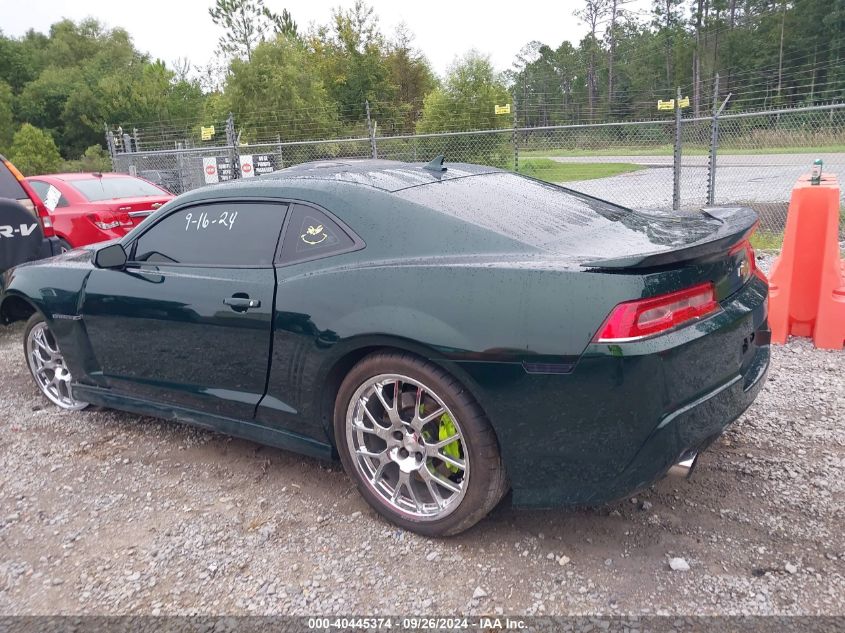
[207,133]
[670,105]
[503,109]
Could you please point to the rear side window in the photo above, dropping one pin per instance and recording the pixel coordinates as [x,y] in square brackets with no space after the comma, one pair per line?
[42,189]
[9,185]
[311,234]
[219,234]
[97,189]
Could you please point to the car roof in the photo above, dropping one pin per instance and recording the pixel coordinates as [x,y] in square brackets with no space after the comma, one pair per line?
[82,175]
[387,175]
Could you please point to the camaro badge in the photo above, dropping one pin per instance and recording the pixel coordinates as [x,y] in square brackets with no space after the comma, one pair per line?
[314,235]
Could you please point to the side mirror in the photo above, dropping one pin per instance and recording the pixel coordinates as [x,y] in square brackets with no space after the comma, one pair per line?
[111,256]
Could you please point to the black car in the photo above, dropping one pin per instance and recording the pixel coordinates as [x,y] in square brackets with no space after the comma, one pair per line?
[449,333]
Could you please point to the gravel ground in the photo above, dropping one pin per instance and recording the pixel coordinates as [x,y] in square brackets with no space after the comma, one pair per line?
[104,512]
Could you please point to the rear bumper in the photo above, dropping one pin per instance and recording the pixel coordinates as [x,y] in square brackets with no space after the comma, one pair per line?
[693,427]
[626,413]
[49,247]
[85,233]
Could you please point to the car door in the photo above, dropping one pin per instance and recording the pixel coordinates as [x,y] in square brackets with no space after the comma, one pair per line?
[188,321]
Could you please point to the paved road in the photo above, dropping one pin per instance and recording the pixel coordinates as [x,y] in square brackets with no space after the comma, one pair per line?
[759,179]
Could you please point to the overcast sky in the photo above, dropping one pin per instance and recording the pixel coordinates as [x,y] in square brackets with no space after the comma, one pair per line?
[170,29]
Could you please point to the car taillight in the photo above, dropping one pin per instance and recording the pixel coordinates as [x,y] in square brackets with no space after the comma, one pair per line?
[752,262]
[646,317]
[40,210]
[105,222]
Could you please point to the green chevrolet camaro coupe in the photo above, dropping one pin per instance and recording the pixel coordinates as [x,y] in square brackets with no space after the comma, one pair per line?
[450,332]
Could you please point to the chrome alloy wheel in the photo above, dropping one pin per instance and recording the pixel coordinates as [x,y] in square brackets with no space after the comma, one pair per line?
[49,369]
[408,446]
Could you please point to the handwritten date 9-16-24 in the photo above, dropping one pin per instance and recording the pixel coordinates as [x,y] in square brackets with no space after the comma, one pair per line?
[204,221]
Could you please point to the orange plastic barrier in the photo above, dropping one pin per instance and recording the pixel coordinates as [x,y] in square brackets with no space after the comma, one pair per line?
[807,281]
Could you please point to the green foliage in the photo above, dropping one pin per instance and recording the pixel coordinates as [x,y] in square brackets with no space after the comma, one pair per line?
[7,123]
[23,59]
[33,151]
[95,159]
[765,241]
[350,55]
[83,75]
[467,98]
[554,171]
[413,79]
[466,101]
[280,92]
[80,76]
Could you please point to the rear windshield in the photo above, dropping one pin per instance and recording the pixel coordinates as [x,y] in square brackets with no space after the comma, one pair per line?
[96,189]
[550,217]
[9,185]
[526,210]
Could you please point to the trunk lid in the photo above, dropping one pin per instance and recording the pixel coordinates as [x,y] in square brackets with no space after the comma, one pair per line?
[129,212]
[673,238]
[134,207]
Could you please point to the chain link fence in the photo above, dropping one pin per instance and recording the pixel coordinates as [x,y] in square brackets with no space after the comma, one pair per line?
[751,159]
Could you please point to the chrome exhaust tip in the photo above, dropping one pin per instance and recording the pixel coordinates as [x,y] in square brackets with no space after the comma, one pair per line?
[684,467]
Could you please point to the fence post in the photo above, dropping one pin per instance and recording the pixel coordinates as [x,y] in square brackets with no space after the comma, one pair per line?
[676,171]
[714,142]
[281,156]
[371,131]
[232,142]
[515,138]
[110,146]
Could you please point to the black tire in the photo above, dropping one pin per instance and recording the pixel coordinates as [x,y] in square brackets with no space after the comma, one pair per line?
[487,482]
[64,246]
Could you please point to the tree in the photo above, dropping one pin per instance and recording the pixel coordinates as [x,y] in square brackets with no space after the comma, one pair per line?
[592,15]
[616,11]
[34,152]
[23,59]
[466,101]
[280,92]
[410,73]
[7,123]
[282,24]
[351,55]
[246,23]
[667,20]
[467,98]
[95,159]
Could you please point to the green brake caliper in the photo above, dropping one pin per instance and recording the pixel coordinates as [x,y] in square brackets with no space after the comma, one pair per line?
[446,429]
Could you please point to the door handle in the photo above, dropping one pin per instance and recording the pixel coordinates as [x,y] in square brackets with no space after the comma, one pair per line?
[242,303]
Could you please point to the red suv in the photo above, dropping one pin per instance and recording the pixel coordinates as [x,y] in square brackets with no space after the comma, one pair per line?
[88,208]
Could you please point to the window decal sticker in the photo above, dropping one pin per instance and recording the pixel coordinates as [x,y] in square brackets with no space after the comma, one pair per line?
[314,235]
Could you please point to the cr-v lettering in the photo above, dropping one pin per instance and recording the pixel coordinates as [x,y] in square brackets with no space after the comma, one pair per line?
[24,229]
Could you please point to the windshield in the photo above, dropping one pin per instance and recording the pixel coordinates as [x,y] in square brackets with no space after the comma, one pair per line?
[96,189]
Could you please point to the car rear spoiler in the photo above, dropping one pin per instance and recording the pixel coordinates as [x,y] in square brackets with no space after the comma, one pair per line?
[737,224]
